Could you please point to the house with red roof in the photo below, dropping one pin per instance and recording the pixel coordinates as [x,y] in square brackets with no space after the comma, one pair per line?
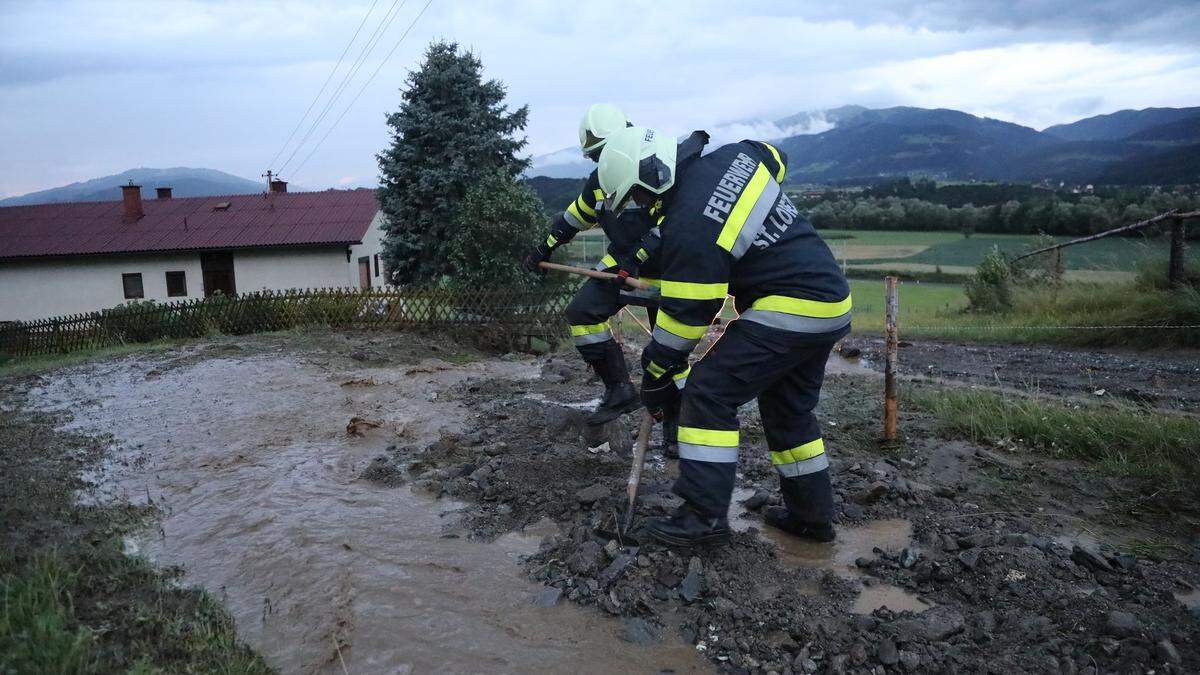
[77,257]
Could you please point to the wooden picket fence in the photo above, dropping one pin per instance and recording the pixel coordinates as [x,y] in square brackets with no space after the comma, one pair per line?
[500,319]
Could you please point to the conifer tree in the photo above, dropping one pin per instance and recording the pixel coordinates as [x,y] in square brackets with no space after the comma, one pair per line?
[452,130]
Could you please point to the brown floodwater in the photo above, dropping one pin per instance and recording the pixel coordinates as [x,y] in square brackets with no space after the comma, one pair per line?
[838,556]
[250,461]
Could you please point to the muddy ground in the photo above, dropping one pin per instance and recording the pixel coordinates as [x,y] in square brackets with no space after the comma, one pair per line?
[1160,379]
[393,503]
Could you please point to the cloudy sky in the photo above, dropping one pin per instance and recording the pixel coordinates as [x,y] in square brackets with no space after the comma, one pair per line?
[94,88]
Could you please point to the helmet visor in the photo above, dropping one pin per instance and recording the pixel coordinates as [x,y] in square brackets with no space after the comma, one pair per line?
[591,143]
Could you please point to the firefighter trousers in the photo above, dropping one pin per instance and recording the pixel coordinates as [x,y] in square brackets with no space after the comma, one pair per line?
[594,304]
[784,371]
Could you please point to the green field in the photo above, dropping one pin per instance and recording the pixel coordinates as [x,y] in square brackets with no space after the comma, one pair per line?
[929,309]
[952,251]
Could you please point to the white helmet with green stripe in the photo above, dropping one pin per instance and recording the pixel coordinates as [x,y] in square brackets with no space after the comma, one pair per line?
[636,162]
[599,122]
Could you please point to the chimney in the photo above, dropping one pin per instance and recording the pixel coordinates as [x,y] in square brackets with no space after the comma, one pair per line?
[162,193]
[279,186]
[132,196]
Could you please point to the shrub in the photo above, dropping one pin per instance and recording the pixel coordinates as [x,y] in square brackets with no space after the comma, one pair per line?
[990,288]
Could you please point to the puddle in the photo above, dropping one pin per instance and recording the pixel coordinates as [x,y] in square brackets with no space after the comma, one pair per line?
[1189,599]
[840,365]
[838,556]
[252,465]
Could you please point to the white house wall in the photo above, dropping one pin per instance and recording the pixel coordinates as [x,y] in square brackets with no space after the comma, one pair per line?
[41,288]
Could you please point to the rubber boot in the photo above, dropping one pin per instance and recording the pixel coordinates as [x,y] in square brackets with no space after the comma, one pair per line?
[620,396]
[808,513]
[688,527]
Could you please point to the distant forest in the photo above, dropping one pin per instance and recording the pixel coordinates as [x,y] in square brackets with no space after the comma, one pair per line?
[990,208]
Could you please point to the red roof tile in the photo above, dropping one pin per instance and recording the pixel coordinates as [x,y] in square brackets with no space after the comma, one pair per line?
[186,224]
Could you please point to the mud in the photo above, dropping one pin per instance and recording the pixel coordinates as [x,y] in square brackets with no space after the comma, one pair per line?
[264,504]
[1160,379]
[419,543]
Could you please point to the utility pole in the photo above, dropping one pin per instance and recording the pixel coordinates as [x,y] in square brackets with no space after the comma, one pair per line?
[269,175]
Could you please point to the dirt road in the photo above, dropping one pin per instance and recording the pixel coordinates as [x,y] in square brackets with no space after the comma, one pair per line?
[1163,380]
[396,503]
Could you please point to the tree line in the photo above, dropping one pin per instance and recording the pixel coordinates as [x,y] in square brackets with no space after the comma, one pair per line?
[1043,213]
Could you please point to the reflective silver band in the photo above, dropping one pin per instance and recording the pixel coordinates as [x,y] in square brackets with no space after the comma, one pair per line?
[801,468]
[593,338]
[795,323]
[681,383]
[575,222]
[668,339]
[756,221]
[707,453]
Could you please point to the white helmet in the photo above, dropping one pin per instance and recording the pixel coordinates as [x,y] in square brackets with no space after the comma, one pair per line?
[636,157]
[599,122]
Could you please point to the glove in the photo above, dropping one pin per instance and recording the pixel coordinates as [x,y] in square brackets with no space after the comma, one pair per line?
[627,266]
[658,395]
[539,254]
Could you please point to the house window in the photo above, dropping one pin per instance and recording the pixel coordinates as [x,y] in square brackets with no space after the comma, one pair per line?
[376,264]
[176,284]
[133,286]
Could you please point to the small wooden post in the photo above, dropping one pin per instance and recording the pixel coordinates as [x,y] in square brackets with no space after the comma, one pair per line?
[1175,266]
[889,372]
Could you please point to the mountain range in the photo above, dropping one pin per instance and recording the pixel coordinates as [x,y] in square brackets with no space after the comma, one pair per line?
[183,181]
[853,144]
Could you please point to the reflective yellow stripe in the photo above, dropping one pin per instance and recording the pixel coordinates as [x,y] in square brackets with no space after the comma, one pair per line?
[657,283]
[741,210]
[682,376]
[585,207]
[587,222]
[801,307]
[656,371]
[693,291]
[598,194]
[797,454]
[608,261]
[720,438]
[642,254]
[778,161]
[660,219]
[551,241]
[669,324]
[576,331]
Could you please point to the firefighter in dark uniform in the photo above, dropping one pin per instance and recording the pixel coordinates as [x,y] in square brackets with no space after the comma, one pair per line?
[633,239]
[728,229]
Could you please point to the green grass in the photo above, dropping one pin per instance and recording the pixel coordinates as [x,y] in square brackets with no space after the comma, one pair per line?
[1123,441]
[927,304]
[38,630]
[38,364]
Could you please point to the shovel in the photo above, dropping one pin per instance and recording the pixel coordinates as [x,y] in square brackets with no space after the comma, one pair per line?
[635,473]
[632,282]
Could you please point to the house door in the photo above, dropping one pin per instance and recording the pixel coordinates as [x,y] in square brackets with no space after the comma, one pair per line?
[217,271]
[364,272]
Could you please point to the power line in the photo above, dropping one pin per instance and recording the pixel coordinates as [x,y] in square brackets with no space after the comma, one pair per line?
[364,88]
[326,84]
[363,54]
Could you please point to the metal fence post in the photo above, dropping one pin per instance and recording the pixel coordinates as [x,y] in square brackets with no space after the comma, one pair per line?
[889,372]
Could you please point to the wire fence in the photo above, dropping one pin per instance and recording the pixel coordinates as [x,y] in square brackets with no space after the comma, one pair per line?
[506,319]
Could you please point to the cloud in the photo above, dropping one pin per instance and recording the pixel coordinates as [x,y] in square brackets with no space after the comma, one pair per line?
[95,87]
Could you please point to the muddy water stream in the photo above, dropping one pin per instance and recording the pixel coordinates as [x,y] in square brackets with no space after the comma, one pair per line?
[839,556]
[252,465]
